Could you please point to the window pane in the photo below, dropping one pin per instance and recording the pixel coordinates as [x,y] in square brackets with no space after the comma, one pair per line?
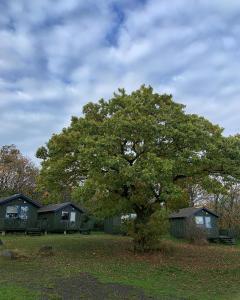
[199,220]
[12,212]
[12,209]
[72,217]
[65,215]
[208,222]
[23,212]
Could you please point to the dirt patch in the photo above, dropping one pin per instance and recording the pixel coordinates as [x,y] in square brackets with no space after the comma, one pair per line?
[86,286]
[46,251]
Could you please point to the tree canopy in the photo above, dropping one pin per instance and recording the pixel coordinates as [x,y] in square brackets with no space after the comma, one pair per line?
[137,152]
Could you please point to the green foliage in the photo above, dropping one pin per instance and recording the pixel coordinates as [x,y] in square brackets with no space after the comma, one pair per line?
[147,235]
[137,153]
[42,153]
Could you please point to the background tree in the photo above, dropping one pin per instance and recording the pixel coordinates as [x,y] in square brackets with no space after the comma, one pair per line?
[17,173]
[228,208]
[226,203]
[61,168]
[137,153]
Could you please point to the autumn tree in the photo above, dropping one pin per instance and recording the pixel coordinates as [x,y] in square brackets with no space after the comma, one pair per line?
[137,153]
[17,173]
[226,203]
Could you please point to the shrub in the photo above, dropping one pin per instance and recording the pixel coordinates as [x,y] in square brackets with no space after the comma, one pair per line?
[195,234]
[166,248]
[147,235]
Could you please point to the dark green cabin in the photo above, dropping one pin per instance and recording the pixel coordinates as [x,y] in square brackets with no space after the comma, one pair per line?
[202,217]
[112,225]
[63,217]
[115,225]
[18,213]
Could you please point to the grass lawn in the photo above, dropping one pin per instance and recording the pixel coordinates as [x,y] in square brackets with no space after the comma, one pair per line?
[178,271]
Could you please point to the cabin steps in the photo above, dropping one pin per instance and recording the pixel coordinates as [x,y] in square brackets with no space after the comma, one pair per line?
[227,240]
[34,232]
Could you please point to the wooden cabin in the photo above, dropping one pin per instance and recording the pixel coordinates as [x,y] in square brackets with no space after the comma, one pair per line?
[18,213]
[115,225]
[62,217]
[201,217]
[112,225]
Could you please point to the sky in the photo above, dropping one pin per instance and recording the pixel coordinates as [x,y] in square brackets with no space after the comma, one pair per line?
[57,55]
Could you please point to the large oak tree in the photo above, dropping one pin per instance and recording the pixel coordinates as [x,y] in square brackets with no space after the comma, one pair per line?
[137,153]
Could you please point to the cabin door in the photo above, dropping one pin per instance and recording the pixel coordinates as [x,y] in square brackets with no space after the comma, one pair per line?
[44,224]
[72,223]
[208,225]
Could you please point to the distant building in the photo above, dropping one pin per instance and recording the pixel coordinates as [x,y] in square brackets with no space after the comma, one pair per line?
[113,225]
[200,217]
[18,213]
[61,217]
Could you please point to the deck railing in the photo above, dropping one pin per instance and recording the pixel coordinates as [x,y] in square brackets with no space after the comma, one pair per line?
[12,224]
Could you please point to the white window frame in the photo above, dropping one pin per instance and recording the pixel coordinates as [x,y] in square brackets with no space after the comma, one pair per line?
[199,220]
[73,216]
[23,212]
[15,212]
[208,224]
[65,213]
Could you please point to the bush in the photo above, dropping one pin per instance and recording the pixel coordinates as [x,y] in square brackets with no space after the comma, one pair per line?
[195,234]
[166,248]
[98,224]
[146,236]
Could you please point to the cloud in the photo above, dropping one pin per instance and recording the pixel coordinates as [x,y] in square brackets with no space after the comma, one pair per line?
[55,58]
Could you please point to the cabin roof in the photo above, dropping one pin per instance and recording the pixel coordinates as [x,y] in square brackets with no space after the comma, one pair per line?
[21,196]
[57,206]
[190,211]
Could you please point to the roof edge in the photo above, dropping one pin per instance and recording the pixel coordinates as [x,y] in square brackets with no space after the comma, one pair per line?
[177,214]
[60,207]
[21,196]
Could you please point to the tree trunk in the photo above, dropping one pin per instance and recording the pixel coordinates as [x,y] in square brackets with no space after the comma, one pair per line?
[142,232]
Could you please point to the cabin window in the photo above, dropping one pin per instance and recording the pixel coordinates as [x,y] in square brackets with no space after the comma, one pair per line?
[73,216]
[23,212]
[199,220]
[12,212]
[128,217]
[208,222]
[65,215]
[17,212]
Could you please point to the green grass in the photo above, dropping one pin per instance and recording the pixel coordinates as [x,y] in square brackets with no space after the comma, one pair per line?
[179,270]
[12,292]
